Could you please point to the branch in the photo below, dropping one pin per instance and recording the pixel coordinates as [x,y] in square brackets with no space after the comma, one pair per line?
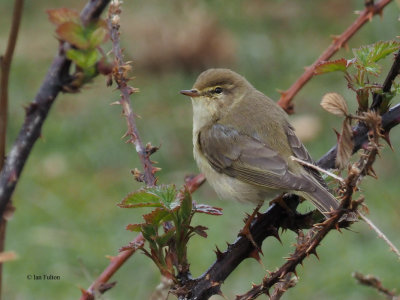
[307,245]
[381,235]
[36,113]
[266,224]
[370,10]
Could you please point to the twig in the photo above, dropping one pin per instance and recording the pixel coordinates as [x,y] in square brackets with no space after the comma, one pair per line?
[5,65]
[380,234]
[162,290]
[115,264]
[370,10]
[374,282]
[317,168]
[287,282]
[120,77]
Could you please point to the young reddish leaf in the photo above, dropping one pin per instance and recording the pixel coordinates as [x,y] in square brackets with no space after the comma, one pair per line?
[98,36]
[74,34]
[156,216]
[140,198]
[207,209]
[105,68]
[200,230]
[62,15]
[332,66]
[345,145]
[134,227]
[335,104]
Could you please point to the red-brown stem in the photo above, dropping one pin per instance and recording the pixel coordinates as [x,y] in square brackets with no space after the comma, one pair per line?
[119,74]
[116,263]
[287,96]
[5,64]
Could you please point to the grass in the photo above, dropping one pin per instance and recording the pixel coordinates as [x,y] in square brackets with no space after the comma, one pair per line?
[67,220]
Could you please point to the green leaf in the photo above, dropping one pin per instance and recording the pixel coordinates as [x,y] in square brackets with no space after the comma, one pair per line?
[77,56]
[83,58]
[367,56]
[166,194]
[92,57]
[332,66]
[98,36]
[62,15]
[134,227]
[140,198]
[74,34]
[382,49]
[373,68]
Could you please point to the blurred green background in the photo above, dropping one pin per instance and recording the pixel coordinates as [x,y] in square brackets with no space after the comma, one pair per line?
[66,218]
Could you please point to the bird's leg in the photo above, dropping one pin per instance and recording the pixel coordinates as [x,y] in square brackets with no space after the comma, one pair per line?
[246,229]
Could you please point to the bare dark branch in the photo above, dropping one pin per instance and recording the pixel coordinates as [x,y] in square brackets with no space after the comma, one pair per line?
[36,113]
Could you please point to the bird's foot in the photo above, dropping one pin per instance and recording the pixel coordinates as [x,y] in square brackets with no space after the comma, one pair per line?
[246,228]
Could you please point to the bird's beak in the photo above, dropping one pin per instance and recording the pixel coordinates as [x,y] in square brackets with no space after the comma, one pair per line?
[190,93]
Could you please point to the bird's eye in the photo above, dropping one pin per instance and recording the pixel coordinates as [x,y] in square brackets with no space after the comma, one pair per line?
[218,90]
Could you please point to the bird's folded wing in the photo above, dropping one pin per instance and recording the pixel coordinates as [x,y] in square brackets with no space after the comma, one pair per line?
[301,152]
[248,159]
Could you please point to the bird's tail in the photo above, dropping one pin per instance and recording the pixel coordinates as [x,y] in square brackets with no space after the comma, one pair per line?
[325,202]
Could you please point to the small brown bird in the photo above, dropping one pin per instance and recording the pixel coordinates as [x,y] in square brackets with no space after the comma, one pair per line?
[243,142]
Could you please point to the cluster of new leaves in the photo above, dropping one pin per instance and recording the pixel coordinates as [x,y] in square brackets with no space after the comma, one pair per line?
[85,41]
[167,228]
[358,73]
